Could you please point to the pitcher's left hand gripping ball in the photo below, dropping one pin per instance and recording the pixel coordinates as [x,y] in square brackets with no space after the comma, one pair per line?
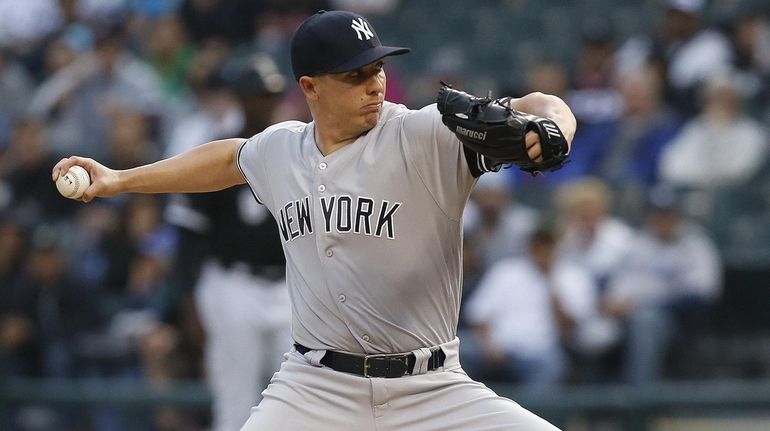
[491,128]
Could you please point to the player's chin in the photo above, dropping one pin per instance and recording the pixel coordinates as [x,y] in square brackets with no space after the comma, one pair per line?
[370,119]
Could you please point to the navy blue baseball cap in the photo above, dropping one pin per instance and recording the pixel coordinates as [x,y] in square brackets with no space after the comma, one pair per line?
[336,41]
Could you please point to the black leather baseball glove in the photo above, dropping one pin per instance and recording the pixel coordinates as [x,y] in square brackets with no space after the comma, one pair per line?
[491,128]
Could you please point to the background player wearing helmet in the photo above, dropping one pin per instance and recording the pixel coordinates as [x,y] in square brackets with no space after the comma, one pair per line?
[346,190]
[239,289]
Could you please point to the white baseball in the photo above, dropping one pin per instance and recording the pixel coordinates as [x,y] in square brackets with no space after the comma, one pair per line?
[73,183]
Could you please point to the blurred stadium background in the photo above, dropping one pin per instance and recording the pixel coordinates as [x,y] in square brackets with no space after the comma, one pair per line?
[97,331]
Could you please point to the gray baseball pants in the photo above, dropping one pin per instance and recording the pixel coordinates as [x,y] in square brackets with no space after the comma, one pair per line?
[303,396]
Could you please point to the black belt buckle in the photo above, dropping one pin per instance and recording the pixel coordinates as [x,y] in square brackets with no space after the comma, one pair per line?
[388,366]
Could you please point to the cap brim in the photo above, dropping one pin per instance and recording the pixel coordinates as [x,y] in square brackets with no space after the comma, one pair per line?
[369,56]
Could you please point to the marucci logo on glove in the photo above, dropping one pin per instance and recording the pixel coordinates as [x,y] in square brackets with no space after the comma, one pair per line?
[481,136]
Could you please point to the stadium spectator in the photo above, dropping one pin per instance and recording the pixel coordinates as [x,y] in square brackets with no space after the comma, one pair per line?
[15,85]
[94,224]
[634,144]
[24,28]
[129,139]
[522,309]
[588,89]
[645,127]
[685,49]
[593,238]
[167,48]
[215,110]
[591,92]
[77,101]
[137,340]
[672,272]
[500,225]
[22,168]
[51,303]
[63,51]
[750,37]
[720,147]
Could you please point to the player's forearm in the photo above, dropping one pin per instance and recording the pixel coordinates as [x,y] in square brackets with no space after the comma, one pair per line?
[544,105]
[208,167]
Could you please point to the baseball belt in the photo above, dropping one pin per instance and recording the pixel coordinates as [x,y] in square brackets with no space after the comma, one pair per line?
[384,365]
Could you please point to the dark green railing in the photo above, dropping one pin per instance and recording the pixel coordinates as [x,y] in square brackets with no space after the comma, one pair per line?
[103,392]
[635,409]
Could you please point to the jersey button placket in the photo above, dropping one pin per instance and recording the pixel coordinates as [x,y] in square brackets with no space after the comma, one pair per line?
[322,166]
[319,178]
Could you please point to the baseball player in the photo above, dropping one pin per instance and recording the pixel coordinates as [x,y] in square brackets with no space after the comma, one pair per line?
[368,198]
[239,289]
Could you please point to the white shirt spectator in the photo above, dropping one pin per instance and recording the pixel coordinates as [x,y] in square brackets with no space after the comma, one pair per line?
[514,299]
[708,154]
[704,56]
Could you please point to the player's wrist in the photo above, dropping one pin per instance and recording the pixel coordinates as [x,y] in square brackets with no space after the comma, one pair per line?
[122,181]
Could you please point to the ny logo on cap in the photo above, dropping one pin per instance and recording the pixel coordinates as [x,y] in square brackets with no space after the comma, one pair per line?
[362,29]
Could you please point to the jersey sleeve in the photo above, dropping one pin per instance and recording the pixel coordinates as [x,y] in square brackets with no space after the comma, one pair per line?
[444,164]
[251,160]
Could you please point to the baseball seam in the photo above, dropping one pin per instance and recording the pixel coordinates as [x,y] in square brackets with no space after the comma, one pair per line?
[76,181]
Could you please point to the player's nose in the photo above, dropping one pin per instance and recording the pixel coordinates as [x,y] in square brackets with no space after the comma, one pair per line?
[376,84]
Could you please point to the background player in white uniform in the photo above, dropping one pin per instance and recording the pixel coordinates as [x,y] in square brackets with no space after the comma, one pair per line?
[369,200]
[239,288]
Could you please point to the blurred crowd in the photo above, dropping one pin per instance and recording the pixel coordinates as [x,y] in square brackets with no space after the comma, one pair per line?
[589,274]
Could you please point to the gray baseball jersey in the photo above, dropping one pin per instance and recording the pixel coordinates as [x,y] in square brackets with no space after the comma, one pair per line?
[372,232]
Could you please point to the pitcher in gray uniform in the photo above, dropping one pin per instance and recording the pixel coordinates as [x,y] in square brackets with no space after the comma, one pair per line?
[368,198]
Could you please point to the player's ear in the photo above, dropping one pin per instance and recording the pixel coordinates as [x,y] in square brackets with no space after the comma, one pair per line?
[308,86]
